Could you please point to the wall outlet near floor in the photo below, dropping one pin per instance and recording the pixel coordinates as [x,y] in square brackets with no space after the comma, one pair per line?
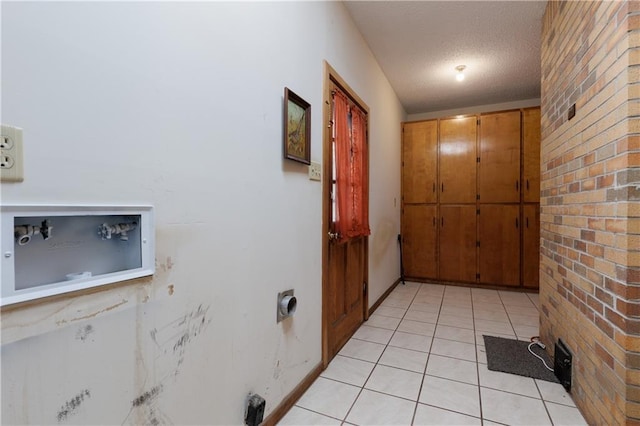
[11,168]
[254,412]
[315,171]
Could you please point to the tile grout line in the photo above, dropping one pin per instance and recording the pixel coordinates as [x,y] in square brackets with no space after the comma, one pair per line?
[475,339]
[344,419]
[441,306]
[317,412]
[426,365]
[362,388]
[504,306]
[452,411]
[544,403]
[535,382]
[517,338]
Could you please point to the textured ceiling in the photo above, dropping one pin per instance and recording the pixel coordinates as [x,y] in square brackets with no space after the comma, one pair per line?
[418,44]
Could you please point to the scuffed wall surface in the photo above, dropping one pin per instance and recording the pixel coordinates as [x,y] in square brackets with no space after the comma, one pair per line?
[179,105]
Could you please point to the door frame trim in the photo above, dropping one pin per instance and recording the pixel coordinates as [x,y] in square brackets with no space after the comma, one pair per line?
[331,76]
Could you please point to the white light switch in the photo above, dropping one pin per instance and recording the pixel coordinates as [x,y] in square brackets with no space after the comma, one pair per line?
[11,163]
[315,171]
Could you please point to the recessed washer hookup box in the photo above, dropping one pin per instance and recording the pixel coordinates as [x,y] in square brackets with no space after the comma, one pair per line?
[50,250]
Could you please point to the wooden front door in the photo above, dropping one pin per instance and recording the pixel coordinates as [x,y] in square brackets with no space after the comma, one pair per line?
[345,264]
[346,292]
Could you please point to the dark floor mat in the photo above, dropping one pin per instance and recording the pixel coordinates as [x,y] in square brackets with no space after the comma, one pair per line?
[512,356]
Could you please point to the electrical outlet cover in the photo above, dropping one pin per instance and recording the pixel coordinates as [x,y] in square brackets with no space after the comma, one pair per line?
[11,161]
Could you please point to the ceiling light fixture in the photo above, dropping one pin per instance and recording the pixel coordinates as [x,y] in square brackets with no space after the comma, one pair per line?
[460,74]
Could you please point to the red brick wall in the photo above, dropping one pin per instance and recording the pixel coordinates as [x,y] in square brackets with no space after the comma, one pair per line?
[590,214]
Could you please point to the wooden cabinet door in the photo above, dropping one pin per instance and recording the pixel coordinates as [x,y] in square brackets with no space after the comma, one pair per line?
[500,244]
[419,162]
[419,238]
[457,243]
[458,160]
[500,157]
[531,245]
[531,155]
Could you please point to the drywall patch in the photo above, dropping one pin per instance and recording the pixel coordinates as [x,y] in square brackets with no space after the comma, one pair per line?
[71,406]
[84,332]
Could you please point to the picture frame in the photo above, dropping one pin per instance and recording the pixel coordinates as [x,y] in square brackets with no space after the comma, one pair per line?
[297,128]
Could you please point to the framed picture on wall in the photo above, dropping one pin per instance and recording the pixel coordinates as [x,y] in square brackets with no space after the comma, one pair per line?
[297,128]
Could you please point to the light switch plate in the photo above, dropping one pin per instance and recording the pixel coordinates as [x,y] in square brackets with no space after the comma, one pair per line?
[11,161]
[315,171]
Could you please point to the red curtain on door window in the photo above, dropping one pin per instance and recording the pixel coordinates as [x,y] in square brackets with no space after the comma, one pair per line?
[352,201]
[342,163]
[360,174]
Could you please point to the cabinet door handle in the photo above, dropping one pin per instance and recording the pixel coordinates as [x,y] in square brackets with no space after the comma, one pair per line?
[516,222]
[527,222]
[517,186]
[527,184]
[442,221]
[434,221]
[442,186]
[434,187]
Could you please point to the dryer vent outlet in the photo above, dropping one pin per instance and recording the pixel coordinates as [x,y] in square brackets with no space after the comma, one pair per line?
[255,410]
[287,304]
[562,364]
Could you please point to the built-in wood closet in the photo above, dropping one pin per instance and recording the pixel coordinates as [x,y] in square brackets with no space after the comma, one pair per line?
[470,198]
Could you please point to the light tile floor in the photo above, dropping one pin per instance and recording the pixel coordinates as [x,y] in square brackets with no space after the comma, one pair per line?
[420,360]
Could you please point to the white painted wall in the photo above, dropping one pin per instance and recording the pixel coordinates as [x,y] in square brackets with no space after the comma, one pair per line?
[478,109]
[179,105]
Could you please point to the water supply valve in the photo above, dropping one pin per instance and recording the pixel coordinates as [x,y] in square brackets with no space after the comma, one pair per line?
[23,233]
[105,231]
